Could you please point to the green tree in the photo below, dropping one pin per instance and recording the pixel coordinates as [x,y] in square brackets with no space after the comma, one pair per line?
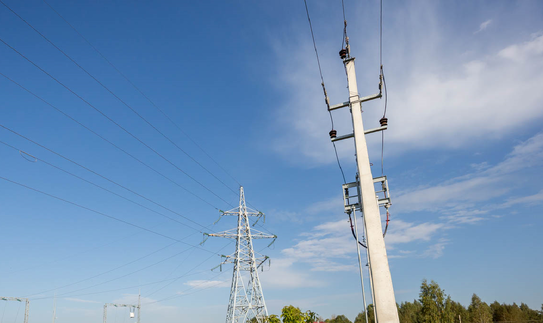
[499,312]
[291,314]
[310,316]
[529,314]
[409,312]
[340,319]
[360,318]
[479,311]
[434,304]
[459,311]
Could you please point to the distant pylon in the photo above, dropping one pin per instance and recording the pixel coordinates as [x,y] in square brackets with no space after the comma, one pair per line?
[246,302]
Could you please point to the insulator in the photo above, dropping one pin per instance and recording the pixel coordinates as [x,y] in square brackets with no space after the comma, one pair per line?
[343,53]
[333,134]
[383,122]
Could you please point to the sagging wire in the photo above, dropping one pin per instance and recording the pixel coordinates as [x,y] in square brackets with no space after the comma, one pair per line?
[383,121]
[326,99]
[354,234]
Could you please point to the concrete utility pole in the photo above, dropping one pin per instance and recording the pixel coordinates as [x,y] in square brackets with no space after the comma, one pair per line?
[384,301]
[19,299]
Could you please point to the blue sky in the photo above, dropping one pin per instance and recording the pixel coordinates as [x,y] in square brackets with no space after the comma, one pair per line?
[463,153]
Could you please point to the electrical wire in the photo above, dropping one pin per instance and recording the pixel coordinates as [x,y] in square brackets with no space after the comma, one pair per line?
[142,93]
[130,287]
[128,274]
[16,316]
[4,311]
[344,25]
[123,238]
[114,122]
[384,116]
[354,234]
[127,105]
[102,214]
[107,190]
[198,265]
[183,292]
[101,176]
[187,273]
[314,44]
[102,273]
[322,81]
[104,139]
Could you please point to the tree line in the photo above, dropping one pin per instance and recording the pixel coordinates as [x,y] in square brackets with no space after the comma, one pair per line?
[432,306]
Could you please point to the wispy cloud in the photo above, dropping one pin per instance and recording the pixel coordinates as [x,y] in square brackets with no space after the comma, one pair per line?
[436,250]
[447,101]
[78,300]
[455,198]
[483,26]
[202,284]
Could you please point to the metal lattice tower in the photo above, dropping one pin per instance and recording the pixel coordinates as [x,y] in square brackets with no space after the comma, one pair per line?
[246,301]
[20,300]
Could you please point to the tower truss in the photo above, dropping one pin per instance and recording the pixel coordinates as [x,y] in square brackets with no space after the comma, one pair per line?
[246,300]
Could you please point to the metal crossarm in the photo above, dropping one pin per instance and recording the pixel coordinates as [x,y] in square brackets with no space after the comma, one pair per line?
[246,300]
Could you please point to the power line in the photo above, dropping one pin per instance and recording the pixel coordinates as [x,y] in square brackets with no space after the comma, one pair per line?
[113,121]
[103,214]
[104,139]
[183,292]
[72,255]
[128,274]
[125,288]
[314,44]
[326,100]
[102,188]
[103,273]
[101,176]
[125,104]
[198,265]
[143,94]
[188,273]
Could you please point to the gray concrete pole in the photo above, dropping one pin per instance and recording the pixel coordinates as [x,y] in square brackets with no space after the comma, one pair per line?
[384,301]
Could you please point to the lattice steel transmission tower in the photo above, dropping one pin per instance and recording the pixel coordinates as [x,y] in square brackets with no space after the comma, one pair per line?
[246,301]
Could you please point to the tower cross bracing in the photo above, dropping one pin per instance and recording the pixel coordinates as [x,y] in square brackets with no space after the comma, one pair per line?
[246,300]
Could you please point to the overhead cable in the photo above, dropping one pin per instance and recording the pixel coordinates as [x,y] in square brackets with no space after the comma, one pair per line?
[103,214]
[128,106]
[103,273]
[101,176]
[326,99]
[143,94]
[107,190]
[113,121]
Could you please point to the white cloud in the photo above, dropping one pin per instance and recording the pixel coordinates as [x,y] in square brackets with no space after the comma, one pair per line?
[526,200]
[436,250]
[78,300]
[202,284]
[439,99]
[455,198]
[405,232]
[483,26]
[285,275]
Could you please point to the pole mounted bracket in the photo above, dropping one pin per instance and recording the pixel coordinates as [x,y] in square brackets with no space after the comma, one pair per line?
[353,202]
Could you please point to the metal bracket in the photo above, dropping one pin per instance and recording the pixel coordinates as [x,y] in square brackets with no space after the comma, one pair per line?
[348,202]
[351,135]
[353,202]
[385,201]
[360,100]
